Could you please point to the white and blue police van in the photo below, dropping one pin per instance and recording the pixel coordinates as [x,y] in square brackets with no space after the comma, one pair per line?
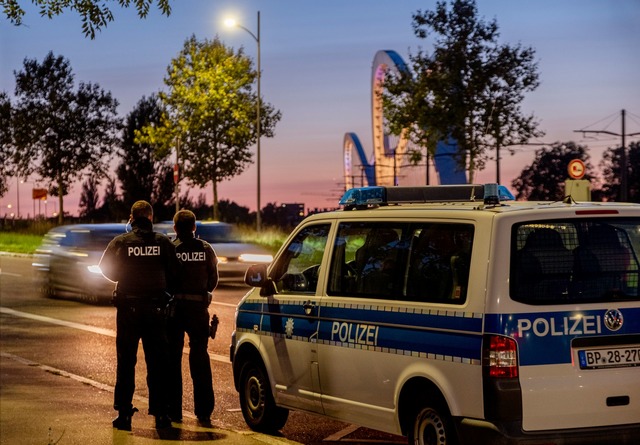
[450,314]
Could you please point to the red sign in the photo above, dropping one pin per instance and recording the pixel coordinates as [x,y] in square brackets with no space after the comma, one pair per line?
[576,169]
[176,176]
[39,193]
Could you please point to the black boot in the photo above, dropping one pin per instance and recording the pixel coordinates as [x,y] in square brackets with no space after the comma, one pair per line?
[205,421]
[163,422]
[123,421]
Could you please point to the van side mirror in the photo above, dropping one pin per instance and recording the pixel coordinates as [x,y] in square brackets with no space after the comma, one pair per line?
[256,276]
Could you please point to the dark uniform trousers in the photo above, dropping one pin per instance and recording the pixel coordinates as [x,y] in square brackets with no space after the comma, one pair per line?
[190,317]
[144,321]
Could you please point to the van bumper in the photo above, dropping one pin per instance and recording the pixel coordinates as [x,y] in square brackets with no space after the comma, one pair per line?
[482,432]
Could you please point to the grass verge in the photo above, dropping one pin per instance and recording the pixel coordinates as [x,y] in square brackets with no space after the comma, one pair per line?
[19,242]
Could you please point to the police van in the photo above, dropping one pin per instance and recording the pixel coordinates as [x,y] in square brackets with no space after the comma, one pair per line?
[450,314]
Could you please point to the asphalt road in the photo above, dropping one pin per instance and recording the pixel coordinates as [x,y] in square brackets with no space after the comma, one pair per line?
[79,339]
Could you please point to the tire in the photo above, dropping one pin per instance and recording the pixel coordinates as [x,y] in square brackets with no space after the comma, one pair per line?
[47,290]
[256,401]
[432,425]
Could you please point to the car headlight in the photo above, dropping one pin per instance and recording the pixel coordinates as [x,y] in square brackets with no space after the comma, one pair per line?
[256,258]
[94,269]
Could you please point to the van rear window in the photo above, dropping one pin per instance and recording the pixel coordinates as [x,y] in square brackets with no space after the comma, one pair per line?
[575,261]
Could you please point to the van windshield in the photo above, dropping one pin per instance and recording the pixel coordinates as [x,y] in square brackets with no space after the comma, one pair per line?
[575,261]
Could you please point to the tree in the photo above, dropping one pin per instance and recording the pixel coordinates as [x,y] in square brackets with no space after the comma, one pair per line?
[142,173]
[61,133]
[543,180]
[112,206]
[233,213]
[89,198]
[210,113]
[469,89]
[6,143]
[612,172]
[95,14]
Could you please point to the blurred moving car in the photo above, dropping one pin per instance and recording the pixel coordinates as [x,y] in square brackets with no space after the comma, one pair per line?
[234,256]
[66,264]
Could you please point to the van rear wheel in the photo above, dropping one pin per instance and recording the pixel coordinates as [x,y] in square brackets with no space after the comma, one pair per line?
[432,426]
[256,401]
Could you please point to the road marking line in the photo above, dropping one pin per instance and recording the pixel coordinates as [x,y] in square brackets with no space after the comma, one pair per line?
[70,375]
[225,304]
[339,435]
[89,328]
[68,324]
[10,274]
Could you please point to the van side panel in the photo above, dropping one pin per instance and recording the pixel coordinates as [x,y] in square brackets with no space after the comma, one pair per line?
[365,346]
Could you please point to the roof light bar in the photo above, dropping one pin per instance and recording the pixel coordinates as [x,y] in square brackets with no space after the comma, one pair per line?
[363,197]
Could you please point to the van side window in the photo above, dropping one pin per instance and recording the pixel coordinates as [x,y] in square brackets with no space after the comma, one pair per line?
[575,261]
[439,268]
[426,262]
[297,270]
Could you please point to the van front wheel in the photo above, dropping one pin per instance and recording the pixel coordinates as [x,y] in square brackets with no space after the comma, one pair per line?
[258,406]
[431,426]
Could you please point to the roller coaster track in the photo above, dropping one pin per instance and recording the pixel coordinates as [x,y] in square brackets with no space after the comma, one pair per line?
[390,153]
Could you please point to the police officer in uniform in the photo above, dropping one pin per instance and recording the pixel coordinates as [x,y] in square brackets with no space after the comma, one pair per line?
[190,315]
[145,267]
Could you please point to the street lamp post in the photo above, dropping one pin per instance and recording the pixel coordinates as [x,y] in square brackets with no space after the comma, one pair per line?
[256,37]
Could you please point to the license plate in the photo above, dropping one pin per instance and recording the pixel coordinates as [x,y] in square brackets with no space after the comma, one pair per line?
[609,358]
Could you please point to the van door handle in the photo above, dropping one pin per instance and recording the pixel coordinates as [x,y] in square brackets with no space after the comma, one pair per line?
[308,307]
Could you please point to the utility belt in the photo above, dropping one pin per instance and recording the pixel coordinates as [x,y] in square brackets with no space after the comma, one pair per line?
[200,298]
[160,299]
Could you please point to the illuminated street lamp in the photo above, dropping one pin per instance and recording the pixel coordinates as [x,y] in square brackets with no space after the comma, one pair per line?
[232,23]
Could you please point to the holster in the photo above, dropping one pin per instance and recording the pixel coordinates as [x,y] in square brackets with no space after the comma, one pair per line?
[213,327]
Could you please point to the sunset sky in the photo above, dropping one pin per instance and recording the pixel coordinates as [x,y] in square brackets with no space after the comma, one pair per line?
[316,63]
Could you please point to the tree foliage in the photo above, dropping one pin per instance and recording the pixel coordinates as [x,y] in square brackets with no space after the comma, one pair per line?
[141,172]
[611,166]
[112,204]
[95,14]
[6,143]
[61,133]
[210,113]
[544,179]
[469,88]
[89,198]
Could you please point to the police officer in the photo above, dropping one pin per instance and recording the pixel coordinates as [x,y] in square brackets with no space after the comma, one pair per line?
[144,265]
[190,315]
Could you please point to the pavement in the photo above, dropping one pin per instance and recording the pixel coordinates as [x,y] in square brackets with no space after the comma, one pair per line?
[41,405]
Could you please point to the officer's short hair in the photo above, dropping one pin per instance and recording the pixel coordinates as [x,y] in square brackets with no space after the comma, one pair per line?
[141,209]
[184,221]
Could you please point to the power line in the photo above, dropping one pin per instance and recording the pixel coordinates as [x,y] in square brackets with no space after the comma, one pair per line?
[623,158]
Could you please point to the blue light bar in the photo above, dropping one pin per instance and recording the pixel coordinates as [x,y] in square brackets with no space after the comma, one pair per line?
[363,197]
[505,194]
